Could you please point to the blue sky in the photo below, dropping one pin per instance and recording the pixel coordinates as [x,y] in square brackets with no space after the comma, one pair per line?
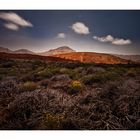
[83,30]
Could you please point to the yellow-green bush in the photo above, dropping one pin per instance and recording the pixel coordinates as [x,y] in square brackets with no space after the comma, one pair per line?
[74,87]
[28,86]
[64,70]
[52,121]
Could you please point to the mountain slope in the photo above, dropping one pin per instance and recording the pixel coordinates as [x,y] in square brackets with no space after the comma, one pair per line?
[60,50]
[89,57]
[34,57]
[135,58]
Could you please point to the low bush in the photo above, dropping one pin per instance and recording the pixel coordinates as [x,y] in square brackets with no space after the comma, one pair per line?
[1,77]
[8,64]
[64,70]
[48,73]
[52,121]
[3,70]
[74,87]
[88,80]
[24,112]
[28,86]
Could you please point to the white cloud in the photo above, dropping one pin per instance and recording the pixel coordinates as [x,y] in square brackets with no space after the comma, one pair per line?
[107,38]
[122,42]
[11,26]
[80,28]
[61,35]
[14,20]
[111,39]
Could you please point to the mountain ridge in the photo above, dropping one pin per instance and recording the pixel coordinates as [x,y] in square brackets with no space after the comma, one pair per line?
[65,51]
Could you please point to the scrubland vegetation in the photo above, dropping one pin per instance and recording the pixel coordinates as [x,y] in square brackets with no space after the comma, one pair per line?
[69,96]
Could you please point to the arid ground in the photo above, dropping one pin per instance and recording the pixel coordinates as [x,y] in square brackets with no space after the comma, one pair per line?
[60,95]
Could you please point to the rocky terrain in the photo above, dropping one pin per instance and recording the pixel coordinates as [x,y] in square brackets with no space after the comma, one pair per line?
[44,93]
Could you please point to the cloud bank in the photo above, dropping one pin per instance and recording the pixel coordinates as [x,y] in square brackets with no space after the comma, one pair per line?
[112,40]
[80,28]
[14,21]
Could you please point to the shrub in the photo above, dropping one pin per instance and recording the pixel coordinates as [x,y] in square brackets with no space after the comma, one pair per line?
[47,73]
[110,76]
[24,112]
[37,63]
[13,71]
[52,121]
[64,70]
[74,75]
[8,64]
[74,87]
[131,73]
[44,82]
[92,70]
[1,77]
[3,70]
[88,80]
[28,86]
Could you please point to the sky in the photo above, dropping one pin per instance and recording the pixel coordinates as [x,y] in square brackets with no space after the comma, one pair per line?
[103,31]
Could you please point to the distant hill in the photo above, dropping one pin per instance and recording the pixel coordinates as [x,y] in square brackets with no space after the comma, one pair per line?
[60,50]
[23,51]
[135,58]
[2,49]
[20,51]
[90,57]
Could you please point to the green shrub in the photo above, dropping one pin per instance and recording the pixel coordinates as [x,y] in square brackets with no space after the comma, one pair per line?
[37,63]
[100,78]
[47,73]
[28,86]
[73,75]
[64,70]
[88,80]
[110,76]
[74,87]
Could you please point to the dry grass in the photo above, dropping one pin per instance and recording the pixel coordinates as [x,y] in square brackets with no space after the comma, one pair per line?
[107,97]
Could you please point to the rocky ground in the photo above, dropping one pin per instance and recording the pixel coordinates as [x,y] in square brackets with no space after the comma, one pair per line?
[68,96]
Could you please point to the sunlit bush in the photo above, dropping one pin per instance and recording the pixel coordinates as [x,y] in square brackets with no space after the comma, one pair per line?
[74,87]
[28,86]
[52,121]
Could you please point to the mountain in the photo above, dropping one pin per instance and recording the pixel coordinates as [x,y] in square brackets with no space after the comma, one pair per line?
[135,58]
[66,52]
[91,57]
[23,51]
[60,50]
[2,49]
[20,51]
